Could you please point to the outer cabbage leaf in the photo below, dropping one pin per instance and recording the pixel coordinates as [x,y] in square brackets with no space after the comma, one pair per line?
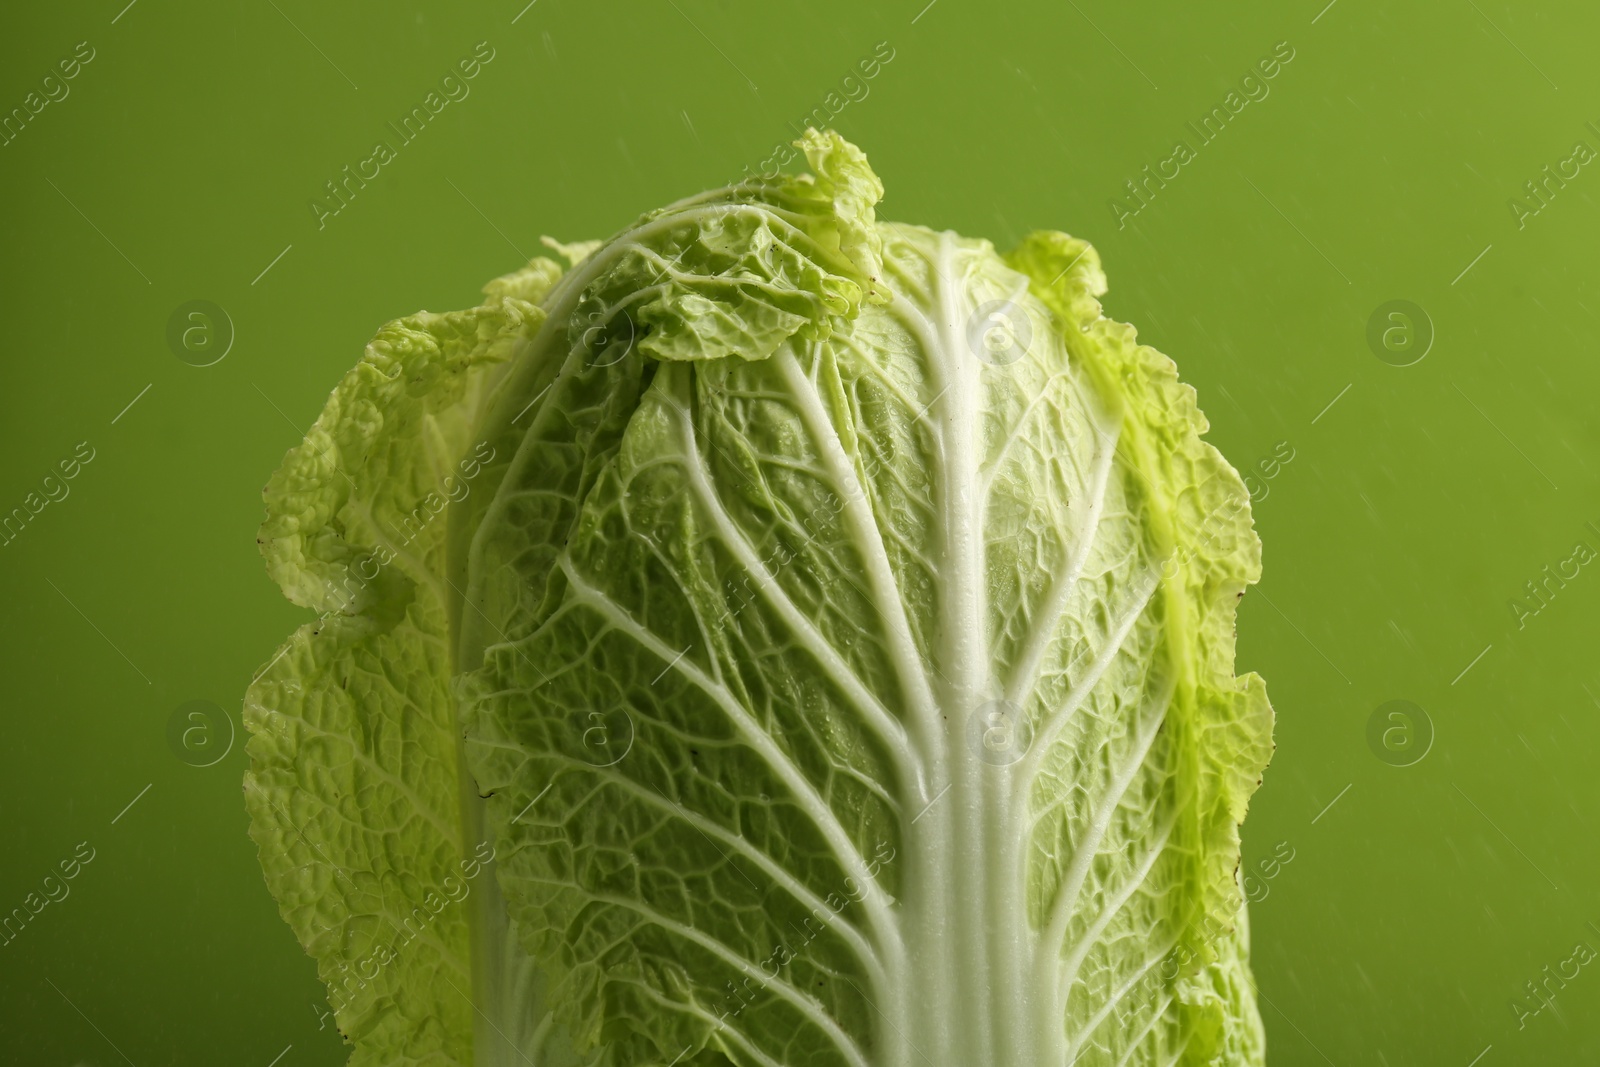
[369,834]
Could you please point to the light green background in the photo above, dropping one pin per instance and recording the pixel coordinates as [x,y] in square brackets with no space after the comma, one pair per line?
[1415,508]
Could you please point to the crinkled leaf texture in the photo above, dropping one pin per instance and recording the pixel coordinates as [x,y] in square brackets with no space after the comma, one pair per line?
[818,630]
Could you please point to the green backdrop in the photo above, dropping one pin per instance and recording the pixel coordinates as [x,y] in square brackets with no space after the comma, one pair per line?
[1415,865]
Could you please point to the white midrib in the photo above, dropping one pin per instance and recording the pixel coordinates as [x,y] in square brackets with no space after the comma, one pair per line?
[980,927]
[976,991]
